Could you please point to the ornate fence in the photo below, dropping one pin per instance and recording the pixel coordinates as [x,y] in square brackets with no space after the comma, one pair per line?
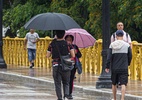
[14,53]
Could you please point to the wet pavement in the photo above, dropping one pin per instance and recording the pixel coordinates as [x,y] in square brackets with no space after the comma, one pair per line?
[13,90]
[16,90]
[84,86]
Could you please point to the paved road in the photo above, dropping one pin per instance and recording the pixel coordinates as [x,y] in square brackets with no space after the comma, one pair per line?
[13,90]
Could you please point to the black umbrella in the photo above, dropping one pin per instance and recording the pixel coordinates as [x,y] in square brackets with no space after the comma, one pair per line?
[51,21]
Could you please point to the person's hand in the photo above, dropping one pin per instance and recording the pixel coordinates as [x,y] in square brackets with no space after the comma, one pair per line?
[34,41]
[75,51]
[106,70]
[69,42]
[73,59]
[47,56]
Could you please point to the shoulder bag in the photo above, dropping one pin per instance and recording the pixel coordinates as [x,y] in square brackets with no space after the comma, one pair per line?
[66,62]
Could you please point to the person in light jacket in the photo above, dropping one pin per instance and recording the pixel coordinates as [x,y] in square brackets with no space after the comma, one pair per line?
[119,58]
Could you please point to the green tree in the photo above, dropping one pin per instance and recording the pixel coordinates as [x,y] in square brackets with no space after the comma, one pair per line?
[94,23]
[88,13]
[129,12]
[16,17]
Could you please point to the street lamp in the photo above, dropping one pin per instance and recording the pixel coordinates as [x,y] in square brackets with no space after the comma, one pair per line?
[2,62]
[104,80]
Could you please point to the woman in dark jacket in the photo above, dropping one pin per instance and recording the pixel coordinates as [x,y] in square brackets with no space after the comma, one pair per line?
[59,76]
[69,39]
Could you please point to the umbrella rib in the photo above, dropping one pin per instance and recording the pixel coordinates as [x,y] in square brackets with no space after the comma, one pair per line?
[90,39]
[29,22]
[88,36]
[61,19]
[75,38]
[81,39]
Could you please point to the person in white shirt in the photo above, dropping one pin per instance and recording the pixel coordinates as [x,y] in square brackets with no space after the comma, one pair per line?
[126,36]
[31,39]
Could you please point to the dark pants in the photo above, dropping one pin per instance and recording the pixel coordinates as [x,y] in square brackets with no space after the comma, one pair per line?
[60,76]
[73,71]
[121,78]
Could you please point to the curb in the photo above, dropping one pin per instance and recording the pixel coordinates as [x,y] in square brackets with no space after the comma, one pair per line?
[87,90]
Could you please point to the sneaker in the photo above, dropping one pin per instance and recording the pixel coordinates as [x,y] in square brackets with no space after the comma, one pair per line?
[33,64]
[68,97]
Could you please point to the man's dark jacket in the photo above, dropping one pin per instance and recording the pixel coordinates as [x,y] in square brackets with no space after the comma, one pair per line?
[119,56]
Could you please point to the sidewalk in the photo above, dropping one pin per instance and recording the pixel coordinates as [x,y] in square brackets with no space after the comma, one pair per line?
[85,82]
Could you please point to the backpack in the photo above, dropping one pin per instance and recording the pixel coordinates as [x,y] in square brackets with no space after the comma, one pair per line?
[115,33]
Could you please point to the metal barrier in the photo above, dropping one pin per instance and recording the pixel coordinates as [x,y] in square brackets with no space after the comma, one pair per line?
[135,69]
[14,53]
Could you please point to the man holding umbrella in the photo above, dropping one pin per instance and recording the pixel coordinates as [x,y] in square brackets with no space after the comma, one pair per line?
[56,46]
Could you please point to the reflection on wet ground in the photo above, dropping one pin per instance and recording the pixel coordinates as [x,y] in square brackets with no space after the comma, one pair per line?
[13,90]
[84,80]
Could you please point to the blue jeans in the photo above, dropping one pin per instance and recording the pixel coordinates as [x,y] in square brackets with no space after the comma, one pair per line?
[31,54]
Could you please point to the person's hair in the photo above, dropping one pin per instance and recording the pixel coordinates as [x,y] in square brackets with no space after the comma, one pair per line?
[69,36]
[59,33]
[118,23]
[32,30]
[119,33]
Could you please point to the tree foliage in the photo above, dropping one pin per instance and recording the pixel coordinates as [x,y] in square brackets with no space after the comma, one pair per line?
[94,23]
[88,13]
[129,12]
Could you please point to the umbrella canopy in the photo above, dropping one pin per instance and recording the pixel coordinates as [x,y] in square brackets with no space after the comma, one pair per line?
[81,37]
[51,21]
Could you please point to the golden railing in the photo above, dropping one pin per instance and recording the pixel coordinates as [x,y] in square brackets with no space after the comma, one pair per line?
[14,53]
[135,69]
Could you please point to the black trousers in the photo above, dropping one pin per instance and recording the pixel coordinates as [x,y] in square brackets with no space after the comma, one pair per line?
[73,71]
[61,77]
